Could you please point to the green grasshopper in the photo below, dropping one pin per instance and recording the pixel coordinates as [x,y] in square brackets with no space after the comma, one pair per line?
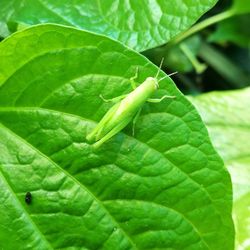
[126,109]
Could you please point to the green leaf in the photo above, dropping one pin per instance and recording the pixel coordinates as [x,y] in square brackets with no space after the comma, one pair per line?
[4,31]
[165,188]
[235,29]
[242,218]
[241,6]
[227,117]
[8,7]
[139,24]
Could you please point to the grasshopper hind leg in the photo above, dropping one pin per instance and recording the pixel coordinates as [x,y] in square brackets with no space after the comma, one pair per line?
[135,120]
[111,133]
[96,133]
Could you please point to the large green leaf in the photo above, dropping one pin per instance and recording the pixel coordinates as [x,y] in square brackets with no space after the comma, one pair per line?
[138,24]
[227,117]
[165,188]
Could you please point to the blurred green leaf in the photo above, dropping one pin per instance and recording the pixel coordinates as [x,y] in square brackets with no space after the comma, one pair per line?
[139,24]
[235,29]
[241,6]
[227,117]
[241,210]
[4,31]
[8,7]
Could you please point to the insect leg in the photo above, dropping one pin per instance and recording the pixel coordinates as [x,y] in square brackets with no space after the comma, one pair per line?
[160,99]
[135,120]
[115,99]
[112,132]
[132,79]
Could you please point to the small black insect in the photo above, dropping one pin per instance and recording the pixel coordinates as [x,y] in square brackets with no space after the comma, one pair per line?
[28,198]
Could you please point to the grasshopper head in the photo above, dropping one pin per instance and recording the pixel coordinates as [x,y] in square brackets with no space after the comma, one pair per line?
[153,81]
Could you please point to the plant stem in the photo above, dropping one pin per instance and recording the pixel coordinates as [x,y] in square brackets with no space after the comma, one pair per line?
[203,24]
[224,66]
[199,67]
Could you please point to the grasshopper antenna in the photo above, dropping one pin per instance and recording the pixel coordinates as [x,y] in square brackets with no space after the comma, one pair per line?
[171,74]
[161,63]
